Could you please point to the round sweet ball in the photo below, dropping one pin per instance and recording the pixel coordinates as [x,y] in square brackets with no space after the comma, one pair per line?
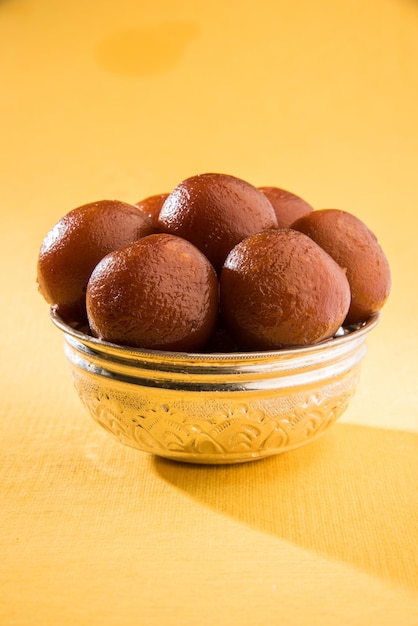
[279,289]
[74,246]
[287,205]
[215,212]
[158,293]
[151,206]
[356,249]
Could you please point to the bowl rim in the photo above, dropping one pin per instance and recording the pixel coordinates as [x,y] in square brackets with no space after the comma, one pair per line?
[348,335]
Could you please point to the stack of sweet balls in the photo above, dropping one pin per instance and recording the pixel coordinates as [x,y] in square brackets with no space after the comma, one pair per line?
[217,265]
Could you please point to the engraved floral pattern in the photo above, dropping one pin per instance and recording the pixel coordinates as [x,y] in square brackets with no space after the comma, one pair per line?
[214,431]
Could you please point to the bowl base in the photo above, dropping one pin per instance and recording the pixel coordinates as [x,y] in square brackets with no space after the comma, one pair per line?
[230,459]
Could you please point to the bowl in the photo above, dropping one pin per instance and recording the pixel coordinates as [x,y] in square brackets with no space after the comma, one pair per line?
[216,408]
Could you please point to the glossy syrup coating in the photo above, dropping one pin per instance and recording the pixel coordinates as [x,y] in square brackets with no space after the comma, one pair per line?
[287,205]
[356,249]
[151,206]
[158,293]
[279,289]
[215,212]
[74,246]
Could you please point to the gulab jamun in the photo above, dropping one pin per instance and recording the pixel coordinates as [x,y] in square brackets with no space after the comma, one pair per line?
[74,246]
[279,289]
[158,293]
[355,248]
[151,206]
[215,212]
[287,205]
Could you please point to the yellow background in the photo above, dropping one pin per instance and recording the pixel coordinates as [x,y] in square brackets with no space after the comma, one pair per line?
[124,100]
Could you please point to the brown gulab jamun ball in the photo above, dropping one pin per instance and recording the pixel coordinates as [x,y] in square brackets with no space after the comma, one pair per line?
[151,206]
[355,248]
[287,205]
[159,293]
[74,246]
[215,212]
[279,289]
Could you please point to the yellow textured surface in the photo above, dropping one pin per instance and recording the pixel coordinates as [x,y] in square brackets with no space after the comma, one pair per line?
[124,100]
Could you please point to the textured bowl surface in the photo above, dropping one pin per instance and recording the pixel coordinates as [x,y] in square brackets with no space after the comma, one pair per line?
[215,408]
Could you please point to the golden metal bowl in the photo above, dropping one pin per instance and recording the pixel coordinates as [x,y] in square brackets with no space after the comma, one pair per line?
[216,408]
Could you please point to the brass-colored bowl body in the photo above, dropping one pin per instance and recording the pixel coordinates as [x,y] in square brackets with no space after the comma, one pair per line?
[216,408]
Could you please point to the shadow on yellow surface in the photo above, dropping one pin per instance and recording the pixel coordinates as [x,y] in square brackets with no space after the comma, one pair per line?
[350,496]
[145,51]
